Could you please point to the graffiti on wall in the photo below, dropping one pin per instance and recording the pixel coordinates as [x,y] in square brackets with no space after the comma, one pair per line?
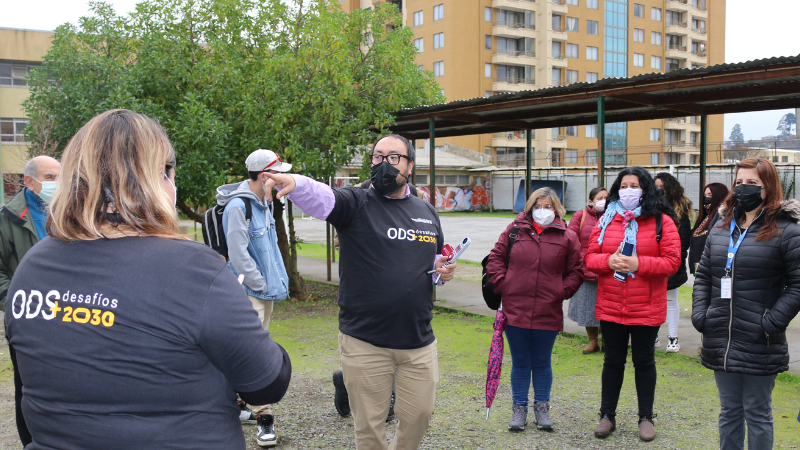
[474,197]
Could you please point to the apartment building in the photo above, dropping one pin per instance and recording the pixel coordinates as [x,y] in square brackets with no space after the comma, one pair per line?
[477,48]
[21,50]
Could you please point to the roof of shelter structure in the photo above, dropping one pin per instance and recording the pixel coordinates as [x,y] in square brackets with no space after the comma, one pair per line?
[758,85]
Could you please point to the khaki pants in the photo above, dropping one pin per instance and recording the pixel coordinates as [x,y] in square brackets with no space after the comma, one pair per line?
[264,310]
[369,373]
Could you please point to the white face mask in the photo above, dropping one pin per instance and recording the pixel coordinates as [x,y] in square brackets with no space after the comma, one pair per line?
[600,205]
[543,217]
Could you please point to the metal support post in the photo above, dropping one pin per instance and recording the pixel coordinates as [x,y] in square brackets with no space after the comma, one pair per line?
[703,151]
[528,161]
[601,136]
[432,131]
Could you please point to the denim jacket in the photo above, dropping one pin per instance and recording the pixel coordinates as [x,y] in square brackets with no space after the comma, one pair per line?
[253,251]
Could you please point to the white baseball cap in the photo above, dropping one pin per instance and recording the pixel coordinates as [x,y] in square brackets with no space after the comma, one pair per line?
[261,160]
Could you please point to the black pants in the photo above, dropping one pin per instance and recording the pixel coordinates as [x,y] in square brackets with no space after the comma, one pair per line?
[643,339]
[22,427]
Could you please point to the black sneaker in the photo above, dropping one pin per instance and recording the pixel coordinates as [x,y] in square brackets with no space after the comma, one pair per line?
[245,415]
[265,433]
[340,400]
[390,417]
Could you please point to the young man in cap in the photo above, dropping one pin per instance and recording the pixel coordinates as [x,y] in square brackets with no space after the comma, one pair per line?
[253,252]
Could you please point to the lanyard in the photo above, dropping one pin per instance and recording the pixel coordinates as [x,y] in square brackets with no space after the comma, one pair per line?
[732,249]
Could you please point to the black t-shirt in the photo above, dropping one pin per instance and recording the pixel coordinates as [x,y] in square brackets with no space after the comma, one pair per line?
[146,341]
[387,247]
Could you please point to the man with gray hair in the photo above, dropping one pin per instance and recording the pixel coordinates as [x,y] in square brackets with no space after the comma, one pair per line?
[22,222]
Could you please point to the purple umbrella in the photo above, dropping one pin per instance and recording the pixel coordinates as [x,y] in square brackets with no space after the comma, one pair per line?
[495,364]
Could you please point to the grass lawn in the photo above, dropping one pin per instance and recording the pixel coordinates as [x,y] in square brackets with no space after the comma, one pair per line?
[686,397]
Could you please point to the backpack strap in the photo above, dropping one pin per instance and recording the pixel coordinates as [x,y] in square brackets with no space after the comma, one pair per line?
[658,227]
[248,211]
[511,239]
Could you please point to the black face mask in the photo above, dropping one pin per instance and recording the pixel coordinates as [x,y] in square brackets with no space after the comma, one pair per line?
[707,200]
[660,191]
[748,196]
[384,178]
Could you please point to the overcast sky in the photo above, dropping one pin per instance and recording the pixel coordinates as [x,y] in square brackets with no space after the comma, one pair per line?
[755,30]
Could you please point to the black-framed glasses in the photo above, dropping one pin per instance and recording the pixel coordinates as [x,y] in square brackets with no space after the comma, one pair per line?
[393,159]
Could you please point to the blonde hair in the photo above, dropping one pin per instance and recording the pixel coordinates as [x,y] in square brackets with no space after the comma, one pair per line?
[545,192]
[110,184]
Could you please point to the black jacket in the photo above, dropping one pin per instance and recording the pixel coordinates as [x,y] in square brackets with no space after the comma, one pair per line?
[697,244]
[745,334]
[685,232]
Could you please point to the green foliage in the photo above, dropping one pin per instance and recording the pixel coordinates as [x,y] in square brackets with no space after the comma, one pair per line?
[225,77]
[736,134]
[785,125]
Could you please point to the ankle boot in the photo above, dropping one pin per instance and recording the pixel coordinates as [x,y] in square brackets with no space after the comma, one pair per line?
[592,346]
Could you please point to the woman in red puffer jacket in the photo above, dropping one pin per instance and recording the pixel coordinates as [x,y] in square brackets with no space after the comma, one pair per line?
[632,290]
[543,270]
[581,305]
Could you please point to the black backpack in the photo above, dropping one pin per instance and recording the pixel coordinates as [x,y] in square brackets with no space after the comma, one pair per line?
[213,231]
[492,298]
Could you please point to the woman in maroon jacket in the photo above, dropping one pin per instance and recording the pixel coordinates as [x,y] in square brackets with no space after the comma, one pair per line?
[543,270]
[581,306]
[632,290]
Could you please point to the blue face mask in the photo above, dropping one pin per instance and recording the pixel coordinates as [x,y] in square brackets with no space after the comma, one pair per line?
[48,189]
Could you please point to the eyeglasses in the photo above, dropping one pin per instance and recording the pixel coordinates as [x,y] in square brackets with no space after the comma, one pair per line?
[391,159]
[539,208]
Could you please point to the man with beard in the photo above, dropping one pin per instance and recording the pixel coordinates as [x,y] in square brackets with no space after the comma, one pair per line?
[389,242]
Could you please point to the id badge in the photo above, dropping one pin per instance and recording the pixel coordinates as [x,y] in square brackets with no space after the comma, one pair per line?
[725,286]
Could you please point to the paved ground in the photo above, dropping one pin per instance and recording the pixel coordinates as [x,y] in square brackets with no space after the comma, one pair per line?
[466,295]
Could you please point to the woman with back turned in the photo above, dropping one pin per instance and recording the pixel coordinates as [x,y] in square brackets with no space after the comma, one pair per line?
[126,334]
[746,291]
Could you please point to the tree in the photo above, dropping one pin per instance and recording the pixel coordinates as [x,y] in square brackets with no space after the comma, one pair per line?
[785,125]
[736,134]
[226,77]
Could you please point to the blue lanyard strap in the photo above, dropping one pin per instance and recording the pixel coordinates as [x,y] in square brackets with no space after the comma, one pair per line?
[733,248]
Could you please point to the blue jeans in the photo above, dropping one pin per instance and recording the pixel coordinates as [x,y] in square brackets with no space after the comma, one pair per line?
[530,357]
[745,399]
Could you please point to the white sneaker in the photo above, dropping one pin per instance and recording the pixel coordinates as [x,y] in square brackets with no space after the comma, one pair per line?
[673,346]
[658,343]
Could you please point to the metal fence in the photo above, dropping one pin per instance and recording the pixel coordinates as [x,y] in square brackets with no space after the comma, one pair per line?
[580,181]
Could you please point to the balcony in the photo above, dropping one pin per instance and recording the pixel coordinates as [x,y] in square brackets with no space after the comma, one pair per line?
[559,61]
[677,28]
[510,160]
[504,28]
[676,51]
[699,34]
[514,5]
[509,139]
[512,84]
[514,57]
[557,6]
[678,5]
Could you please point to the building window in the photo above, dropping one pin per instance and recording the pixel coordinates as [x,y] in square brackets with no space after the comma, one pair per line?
[557,77]
[654,159]
[418,18]
[673,64]
[693,159]
[592,27]
[572,24]
[15,73]
[655,134]
[438,69]
[655,62]
[572,131]
[655,14]
[488,42]
[438,40]
[438,12]
[591,53]
[13,130]
[591,131]
[655,38]
[487,150]
[693,138]
[591,4]
[784,159]
[419,44]
[487,14]
[672,158]
[572,2]
[591,77]
[591,157]
[672,137]
[572,50]
[638,59]
[571,155]
[421,68]
[673,18]
[638,10]
[616,32]
[572,77]
[487,70]
[638,35]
